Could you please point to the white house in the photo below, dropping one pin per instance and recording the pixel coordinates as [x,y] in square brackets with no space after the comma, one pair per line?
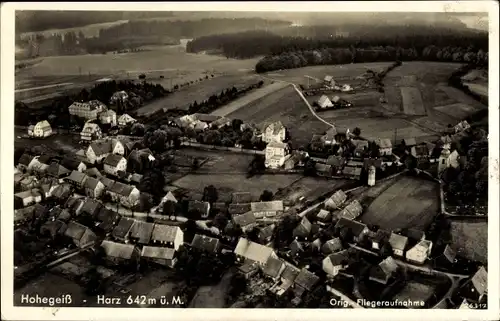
[346,87]
[127,195]
[398,243]
[90,132]
[248,250]
[329,81]
[108,117]
[41,129]
[384,145]
[266,209]
[160,255]
[166,235]
[93,187]
[88,110]
[125,119]
[420,252]
[28,197]
[115,163]
[324,102]
[334,263]
[276,154]
[329,137]
[274,132]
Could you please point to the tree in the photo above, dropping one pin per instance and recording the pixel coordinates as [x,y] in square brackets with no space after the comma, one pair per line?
[266,196]
[137,129]
[238,285]
[220,221]
[236,124]
[386,250]
[210,194]
[169,208]
[310,168]
[356,131]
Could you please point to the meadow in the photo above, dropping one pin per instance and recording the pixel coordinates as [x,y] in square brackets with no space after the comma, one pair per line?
[470,239]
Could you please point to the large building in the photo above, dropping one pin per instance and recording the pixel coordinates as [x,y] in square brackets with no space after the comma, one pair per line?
[88,110]
[41,129]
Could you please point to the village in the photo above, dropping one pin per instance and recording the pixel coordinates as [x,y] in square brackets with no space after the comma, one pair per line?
[86,208]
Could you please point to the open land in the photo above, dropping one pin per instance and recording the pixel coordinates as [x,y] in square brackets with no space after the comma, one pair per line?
[213,296]
[408,203]
[412,101]
[414,291]
[471,239]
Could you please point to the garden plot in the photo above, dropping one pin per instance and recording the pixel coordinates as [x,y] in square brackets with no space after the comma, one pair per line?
[470,239]
[412,101]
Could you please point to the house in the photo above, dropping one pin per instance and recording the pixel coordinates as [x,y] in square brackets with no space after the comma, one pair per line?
[352,210]
[62,192]
[166,235]
[141,232]
[420,252]
[125,120]
[384,146]
[108,117]
[324,102]
[337,163]
[76,179]
[113,164]
[27,198]
[336,200]
[199,126]
[352,172]
[93,172]
[93,187]
[286,280]
[450,253]
[74,205]
[90,132]
[205,243]
[303,229]
[28,182]
[333,263]
[461,126]
[57,171]
[241,197]
[379,238]
[122,231]
[252,251]
[274,132]
[445,142]
[454,159]
[221,122]
[107,219]
[476,289]
[108,183]
[415,234]
[420,152]
[98,150]
[382,272]
[48,189]
[398,243]
[304,282]
[331,246]
[137,158]
[88,110]
[265,234]
[266,209]
[127,195]
[443,161]
[73,164]
[90,207]
[203,208]
[53,228]
[357,229]
[324,216]
[329,81]
[118,96]
[24,162]
[40,164]
[409,142]
[41,129]
[169,197]
[296,248]
[273,268]
[248,270]
[346,87]
[81,235]
[329,137]
[360,147]
[160,255]
[246,221]
[276,154]
[369,162]
[323,169]
[119,253]
[293,160]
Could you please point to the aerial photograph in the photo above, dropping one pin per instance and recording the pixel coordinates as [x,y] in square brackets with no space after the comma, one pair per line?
[247,159]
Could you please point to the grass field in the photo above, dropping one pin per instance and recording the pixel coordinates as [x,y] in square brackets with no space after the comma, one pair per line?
[415,291]
[408,203]
[458,110]
[412,101]
[471,239]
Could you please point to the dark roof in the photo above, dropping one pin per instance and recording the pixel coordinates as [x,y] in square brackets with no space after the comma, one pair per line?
[142,231]
[205,243]
[102,147]
[273,267]
[409,142]
[290,272]
[336,161]
[377,162]
[118,250]
[266,232]
[239,208]
[123,227]
[303,229]
[241,197]
[381,236]
[164,233]
[91,183]
[44,159]
[113,159]
[40,210]
[56,170]
[199,206]
[338,258]
[64,215]
[244,219]
[75,230]
[415,234]
[93,172]
[121,189]
[354,226]
[26,159]
[306,279]
[108,183]
[107,215]
[70,163]
[77,177]
[331,246]
[91,207]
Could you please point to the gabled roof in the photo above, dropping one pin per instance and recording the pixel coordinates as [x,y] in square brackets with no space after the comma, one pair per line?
[121,189]
[352,210]
[274,267]
[241,197]
[93,172]
[323,215]
[354,171]
[383,271]
[422,246]
[26,159]
[336,200]
[320,167]
[306,279]
[169,197]
[108,183]
[123,228]
[328,78]
[201,206]
[420,151]
[383,142]
[165,233]
[480,281]
[235,209]
[77,177]
[91,207]
[356,227]
[91,183]
[324,101]
[113,160]
[101,147]
[338,258]
[398,242]
[155,252]
[266,232]
[336,161]
[360,144]
[271,206]
[368,162]
[303,229]
[409,142]
[44,159]
[276,127]
[274,144]
[56,170]
[449,253]
[75,230]
[244,219]
[70,163]
[415,234]
[62,191]
[331,246]
[142,231]
[205,117]
[290,272]
[205,243]
[253,251]
[118,250]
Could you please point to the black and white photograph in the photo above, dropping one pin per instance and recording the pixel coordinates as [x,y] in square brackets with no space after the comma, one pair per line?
[271,157]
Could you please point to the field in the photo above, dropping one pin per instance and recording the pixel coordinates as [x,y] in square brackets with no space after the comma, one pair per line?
[415,291]
[311,188]
[212,296]
[408,203]
[457,110]
[412,101]
[471,239]
[66,142]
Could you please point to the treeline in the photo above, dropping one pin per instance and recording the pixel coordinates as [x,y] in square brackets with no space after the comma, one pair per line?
[30,20]
[455,80]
